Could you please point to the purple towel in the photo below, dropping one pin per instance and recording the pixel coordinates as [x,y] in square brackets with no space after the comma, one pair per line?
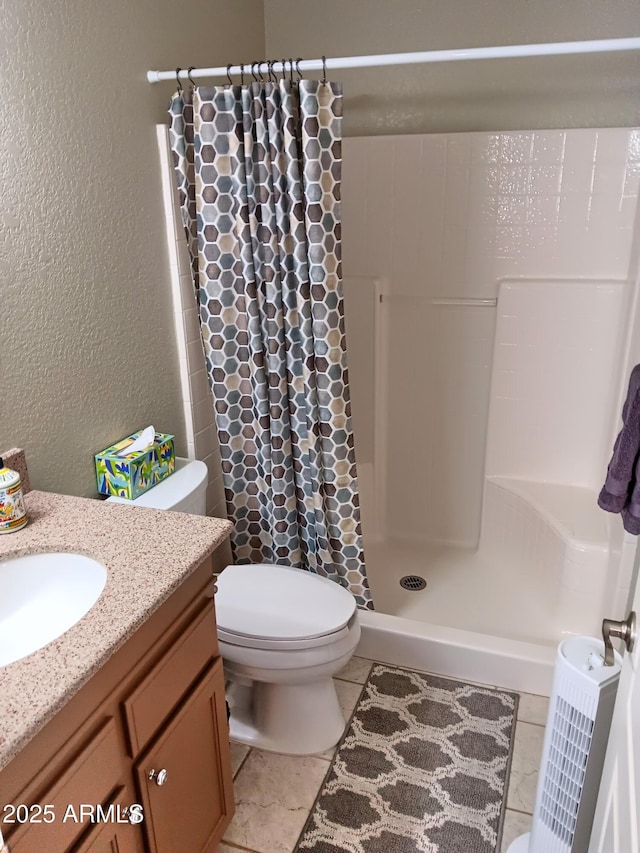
[621,490]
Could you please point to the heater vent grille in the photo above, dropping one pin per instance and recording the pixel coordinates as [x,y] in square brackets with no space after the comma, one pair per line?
[565,772]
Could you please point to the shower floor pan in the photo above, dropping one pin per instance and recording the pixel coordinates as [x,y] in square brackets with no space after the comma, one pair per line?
[472,621]
[497,613]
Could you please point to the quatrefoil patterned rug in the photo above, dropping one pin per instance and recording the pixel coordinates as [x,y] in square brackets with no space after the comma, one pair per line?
[423,768]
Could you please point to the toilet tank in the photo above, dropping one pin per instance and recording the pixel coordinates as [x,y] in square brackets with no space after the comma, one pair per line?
[183,491]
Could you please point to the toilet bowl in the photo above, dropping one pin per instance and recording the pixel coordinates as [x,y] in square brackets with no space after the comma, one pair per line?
[283,633]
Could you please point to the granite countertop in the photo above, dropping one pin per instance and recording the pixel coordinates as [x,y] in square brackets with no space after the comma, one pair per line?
[147,553]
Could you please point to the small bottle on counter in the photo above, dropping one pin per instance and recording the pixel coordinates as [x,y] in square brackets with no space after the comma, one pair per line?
[13,514]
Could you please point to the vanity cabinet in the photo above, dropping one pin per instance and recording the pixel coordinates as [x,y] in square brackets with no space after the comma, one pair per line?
[184,791]
[149,730]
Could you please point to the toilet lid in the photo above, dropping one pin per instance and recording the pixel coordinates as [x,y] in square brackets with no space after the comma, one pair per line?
[280,603]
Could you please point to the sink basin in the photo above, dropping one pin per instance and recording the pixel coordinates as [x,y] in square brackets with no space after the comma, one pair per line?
[41,597]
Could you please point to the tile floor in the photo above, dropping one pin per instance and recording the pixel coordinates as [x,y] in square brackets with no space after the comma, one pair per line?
[274,793]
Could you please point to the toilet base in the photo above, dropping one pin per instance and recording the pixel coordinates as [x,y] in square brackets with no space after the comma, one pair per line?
[299,719]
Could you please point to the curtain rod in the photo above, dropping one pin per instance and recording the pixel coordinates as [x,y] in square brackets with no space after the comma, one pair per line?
[499,52]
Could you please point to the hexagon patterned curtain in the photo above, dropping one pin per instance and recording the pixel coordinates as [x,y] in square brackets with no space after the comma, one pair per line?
[258,170]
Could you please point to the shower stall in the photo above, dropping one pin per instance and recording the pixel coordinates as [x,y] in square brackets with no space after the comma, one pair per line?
[489,279]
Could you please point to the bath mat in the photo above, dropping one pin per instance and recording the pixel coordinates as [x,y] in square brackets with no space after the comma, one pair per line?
[422,768]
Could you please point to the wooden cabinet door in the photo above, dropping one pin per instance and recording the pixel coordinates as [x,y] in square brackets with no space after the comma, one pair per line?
[112,838]
[193,804]
[115,835]
[91,777]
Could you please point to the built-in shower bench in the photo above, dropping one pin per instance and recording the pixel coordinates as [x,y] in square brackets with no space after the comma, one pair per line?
[571,511]
[557,535]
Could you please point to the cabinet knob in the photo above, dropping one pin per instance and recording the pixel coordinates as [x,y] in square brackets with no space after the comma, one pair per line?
[160,776]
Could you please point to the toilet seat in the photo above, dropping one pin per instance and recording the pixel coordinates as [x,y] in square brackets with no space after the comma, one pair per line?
[280,645]
[280,607]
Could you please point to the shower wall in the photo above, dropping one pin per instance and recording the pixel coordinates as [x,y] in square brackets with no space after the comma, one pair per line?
[431,225]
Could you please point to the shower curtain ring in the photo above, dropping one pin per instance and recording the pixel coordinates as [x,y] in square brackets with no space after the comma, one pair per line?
[298,72]
[242,74]
[324,70]
[284,69]
[291,70]
[270,72]
[178,70]
[260,74]
[191,80]
[253,72]
[229,74]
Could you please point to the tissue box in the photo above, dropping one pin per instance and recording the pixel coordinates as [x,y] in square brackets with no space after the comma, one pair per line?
[130,476]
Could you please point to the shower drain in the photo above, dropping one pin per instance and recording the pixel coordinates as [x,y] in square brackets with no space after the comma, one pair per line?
[413,582]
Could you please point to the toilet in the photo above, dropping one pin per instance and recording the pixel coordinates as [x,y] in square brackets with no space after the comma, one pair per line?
[283,634]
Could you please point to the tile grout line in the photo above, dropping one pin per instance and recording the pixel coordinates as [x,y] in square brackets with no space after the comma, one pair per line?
[274,752]
[350,680]
[242,763]
[233,847]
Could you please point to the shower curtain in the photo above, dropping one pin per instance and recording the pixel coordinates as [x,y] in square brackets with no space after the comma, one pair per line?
[258,170]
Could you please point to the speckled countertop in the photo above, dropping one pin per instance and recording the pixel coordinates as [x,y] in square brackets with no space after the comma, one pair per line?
[147,553]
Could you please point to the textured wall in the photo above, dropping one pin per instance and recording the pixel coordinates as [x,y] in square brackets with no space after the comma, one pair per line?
[87,348]
[596,91]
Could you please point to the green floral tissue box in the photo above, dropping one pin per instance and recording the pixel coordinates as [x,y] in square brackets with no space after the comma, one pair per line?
[129,475]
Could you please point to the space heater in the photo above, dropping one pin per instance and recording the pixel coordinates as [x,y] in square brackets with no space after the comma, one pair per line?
[575,741]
